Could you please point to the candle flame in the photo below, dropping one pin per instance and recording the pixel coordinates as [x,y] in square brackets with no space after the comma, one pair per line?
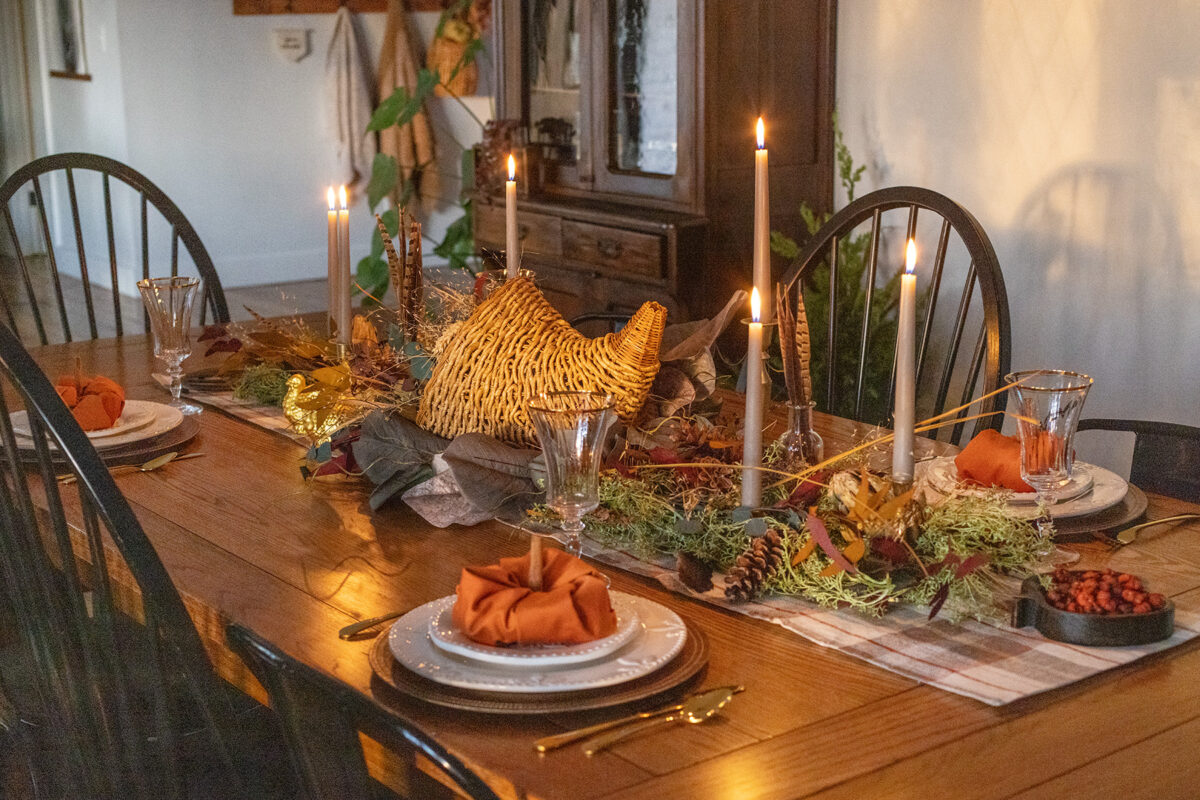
[910,257]
[329,197]
[761,134]
[342,197]
[755,305]
[512,168]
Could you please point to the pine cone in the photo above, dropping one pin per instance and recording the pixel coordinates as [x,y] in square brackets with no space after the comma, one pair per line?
[754,567]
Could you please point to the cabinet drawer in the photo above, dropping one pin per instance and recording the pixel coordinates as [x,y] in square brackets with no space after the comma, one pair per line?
[613,248]
[538,233]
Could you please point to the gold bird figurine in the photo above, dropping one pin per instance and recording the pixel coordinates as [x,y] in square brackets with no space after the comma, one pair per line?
[317,409]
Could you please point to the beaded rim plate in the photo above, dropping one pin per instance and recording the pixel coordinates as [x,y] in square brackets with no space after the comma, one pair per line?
[660,636]
[445,636]
[163,419]
[1107,490]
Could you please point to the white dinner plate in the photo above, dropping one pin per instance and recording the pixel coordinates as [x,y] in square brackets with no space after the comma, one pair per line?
[942,475]
[658,637]
[443,634]
[1107,489]
[136,414]
[162,418]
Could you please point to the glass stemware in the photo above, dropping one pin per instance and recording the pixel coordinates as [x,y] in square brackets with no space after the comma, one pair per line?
[571,428]
[169,303]
[1048,406]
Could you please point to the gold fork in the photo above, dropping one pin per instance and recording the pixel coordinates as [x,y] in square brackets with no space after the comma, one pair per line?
[155,463]
[1128,535]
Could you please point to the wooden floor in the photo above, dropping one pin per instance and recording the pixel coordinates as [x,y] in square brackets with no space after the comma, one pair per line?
[273,300]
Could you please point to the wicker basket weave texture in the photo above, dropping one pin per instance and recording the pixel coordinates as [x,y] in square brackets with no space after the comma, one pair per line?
[515,346]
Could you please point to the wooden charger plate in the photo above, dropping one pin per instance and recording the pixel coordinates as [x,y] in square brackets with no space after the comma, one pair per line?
[679,671]
[1075,529]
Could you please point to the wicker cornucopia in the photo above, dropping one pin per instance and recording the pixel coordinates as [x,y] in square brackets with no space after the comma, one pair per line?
[515,346]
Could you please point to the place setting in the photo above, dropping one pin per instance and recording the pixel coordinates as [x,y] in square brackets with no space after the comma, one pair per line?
[124,431]
[544,633]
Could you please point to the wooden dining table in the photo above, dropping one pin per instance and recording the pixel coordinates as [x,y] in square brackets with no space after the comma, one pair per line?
[247,540]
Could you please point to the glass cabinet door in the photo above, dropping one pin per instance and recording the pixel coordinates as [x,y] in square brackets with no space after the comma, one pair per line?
[644,89]
[608,89]
[556,51]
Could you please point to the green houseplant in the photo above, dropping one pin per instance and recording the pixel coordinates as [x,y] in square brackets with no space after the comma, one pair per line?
[399,109]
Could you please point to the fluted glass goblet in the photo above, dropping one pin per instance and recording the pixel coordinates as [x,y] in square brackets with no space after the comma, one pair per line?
[1048,405]
[168,303]
[571,428]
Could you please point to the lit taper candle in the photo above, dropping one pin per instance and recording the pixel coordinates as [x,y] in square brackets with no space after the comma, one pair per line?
[762,224]
[752,436]
[344,272]
[906,373]
[512,260]
[334,260]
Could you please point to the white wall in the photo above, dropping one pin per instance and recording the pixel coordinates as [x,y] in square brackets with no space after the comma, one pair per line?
[195,98]
[1071,129]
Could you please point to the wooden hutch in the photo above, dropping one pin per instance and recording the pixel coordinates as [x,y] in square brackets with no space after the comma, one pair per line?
[639,117]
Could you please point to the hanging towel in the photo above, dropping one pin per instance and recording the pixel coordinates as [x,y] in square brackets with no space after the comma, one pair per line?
[349,99]
[411,145]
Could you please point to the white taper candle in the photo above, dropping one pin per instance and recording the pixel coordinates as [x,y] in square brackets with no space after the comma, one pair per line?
[762,225]
[512,245]
[752,435]
[344,271]
[906,373]
[334,260]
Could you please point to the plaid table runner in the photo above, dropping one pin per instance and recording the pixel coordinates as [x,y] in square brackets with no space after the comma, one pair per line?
[992,663]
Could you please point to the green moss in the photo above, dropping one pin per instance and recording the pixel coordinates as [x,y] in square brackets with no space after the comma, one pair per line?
[265,384]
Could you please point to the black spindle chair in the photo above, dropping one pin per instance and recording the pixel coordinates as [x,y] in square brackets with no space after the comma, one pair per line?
[88,201]
[322,719]
[851,320]
[1166,455]
[122,710]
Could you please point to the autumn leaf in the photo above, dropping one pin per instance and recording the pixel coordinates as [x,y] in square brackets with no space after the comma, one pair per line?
[818,531]
[805,551]
[855,550]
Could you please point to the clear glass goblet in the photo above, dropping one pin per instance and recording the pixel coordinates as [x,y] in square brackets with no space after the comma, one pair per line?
[571,428]
[1048,405]
[169,303]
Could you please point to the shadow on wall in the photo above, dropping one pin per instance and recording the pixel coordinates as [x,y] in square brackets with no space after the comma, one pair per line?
[1104,288]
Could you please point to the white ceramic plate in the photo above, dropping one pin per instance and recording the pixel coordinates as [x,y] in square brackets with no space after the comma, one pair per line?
[1107,489]
[136,414]
[942,475]
[162,418]
[659,636]
[444,635]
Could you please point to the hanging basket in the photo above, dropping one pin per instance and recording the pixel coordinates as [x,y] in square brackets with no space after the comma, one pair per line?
[444,55]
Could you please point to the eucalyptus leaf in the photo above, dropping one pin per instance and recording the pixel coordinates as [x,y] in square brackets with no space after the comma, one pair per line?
[420,365]
[756,527]
[386,113]
[384,174]
[490,474]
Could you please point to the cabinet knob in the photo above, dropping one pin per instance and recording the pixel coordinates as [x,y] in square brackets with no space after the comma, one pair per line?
[609,248]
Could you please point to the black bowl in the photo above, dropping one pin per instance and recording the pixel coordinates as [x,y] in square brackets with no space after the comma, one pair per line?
[1094,630]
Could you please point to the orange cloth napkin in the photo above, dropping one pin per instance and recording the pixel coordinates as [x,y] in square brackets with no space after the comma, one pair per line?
[96,404]
[992,459]
[495,606]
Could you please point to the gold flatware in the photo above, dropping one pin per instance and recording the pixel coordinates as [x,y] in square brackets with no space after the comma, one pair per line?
[358,627]
[695,710]
[1129,534]
[157,462]
[547,743]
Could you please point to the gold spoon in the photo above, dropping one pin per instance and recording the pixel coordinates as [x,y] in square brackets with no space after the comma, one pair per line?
[1129,534]
[151,465]
[547,743]
[695,710]
[360,626]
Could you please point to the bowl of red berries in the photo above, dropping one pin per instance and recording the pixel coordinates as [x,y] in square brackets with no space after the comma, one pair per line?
[1095,607]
